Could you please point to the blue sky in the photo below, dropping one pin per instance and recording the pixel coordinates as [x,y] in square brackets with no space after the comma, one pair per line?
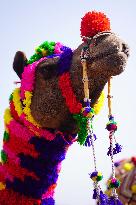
[26,24]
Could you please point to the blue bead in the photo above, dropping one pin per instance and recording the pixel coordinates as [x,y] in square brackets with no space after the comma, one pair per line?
[94,174]
[111,118]
[116,164]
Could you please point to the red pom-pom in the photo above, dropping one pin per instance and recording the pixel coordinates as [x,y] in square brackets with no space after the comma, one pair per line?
[93,23]
[133,159]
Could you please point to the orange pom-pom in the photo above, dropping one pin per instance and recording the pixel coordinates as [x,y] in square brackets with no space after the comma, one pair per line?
[93,23]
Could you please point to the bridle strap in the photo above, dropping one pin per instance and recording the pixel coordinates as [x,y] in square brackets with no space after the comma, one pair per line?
[84,59]
[109,96]
[97,35]
[85,79]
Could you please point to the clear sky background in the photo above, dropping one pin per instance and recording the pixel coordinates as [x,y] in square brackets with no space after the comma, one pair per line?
[24,25]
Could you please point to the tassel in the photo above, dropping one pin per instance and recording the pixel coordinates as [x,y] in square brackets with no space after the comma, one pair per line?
[103,199]
[114,201]
[95,195]
[109,151]
[88,141]
[117,148]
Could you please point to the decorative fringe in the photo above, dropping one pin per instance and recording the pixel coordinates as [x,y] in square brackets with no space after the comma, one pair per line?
[88,141]
[103,198]
[114,201]
[82,124]
[116,150]
[95,195]
[49,201]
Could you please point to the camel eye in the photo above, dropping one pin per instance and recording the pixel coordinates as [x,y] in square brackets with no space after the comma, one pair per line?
[48,71]
[100,39]
[48,68]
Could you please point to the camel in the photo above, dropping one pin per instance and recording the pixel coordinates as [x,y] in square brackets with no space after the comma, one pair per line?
[126,172]
[39,123]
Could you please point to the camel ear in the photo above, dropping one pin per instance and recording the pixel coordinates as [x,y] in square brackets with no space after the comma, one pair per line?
[20,61]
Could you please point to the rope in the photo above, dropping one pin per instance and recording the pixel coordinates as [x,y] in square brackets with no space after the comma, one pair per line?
[111,134]
[85,79]
[109,96]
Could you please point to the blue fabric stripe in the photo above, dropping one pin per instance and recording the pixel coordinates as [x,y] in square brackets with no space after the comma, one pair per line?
[65,60]
[45,167]
[49,201]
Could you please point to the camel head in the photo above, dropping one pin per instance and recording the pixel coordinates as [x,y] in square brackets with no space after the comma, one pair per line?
[106,56]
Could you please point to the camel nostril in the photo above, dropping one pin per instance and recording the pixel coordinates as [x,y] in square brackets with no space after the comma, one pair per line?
[125,49]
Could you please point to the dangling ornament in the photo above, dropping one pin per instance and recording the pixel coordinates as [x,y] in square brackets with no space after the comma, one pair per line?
[111,126]
[91,137]
[88,112]
[93,25]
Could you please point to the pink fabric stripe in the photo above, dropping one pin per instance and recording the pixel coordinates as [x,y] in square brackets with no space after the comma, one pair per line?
[19,130]
[57,49]
[5,174]
[25,133]
[50,192]
[11,155]
[36,130]
[28,77]
[59,167]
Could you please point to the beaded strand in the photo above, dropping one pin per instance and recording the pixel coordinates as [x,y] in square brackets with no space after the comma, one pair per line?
[91,137]
[111,126]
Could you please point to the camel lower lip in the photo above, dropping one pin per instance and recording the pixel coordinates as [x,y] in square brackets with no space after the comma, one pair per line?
[125,53]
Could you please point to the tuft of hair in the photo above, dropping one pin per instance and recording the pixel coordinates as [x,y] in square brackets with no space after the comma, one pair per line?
[93,23]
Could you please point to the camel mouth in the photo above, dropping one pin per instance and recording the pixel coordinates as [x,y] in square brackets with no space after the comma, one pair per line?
[125,49]
[113,60]
[115,50]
